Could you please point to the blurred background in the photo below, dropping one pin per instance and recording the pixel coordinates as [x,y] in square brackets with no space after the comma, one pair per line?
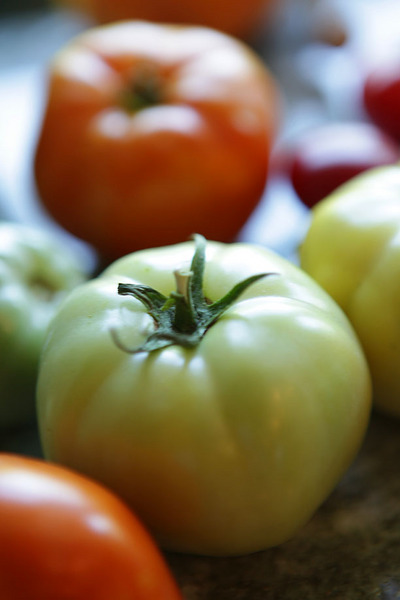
[318,50]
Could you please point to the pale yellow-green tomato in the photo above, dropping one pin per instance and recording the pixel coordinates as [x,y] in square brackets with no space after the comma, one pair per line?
[224,424]
[352,249]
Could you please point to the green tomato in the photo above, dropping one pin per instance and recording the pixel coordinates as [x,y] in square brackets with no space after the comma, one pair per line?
[352,249]
[224,423]
[36,272]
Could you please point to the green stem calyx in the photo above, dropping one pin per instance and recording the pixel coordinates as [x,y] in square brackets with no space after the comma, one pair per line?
[185,315]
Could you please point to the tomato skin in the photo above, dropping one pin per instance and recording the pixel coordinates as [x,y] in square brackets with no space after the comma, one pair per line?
[231,16]
[65,537]
[224,448]
[329,155]
[381,96]
[196,160]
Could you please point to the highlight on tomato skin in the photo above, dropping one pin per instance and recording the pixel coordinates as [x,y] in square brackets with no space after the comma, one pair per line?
[325,157]
[65,537]
[381,96]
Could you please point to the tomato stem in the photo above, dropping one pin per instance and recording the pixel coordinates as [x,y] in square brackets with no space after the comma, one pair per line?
[185,315]
[182,279]
[143,91]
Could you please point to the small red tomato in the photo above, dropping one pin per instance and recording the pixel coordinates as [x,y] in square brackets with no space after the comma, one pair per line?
[65,537]
[381,96]
[329,155]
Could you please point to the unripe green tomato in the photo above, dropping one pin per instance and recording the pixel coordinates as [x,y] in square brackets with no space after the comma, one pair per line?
[224,431]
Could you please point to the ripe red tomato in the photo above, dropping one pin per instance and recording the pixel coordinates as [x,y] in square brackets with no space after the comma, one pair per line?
[381,96]
[232,16]
[152,133]
[329,155]
[64,537]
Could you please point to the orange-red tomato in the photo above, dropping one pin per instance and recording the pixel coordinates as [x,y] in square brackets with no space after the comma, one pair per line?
[232,16]
[64,537]
[152,133]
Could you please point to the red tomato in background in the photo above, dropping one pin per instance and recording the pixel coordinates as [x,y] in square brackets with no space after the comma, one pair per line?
[64,537]
[381,96]
[152,133]
[324,158]
[231,16]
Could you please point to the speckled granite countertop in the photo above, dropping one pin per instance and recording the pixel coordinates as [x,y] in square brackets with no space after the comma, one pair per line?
[350,550]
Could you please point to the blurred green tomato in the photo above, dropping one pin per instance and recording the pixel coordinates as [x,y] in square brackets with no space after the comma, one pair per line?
[36,272]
